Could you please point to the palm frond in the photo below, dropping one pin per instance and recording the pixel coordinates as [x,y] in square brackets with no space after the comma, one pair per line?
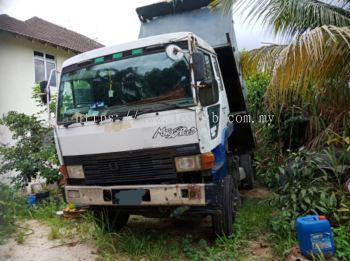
[316,63]
[260,60]
[291,17]
[226,5]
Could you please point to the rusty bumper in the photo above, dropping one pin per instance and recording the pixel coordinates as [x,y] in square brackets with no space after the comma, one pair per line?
[138,195]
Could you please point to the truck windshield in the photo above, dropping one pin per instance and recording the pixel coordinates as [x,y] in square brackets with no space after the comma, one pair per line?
[134,83]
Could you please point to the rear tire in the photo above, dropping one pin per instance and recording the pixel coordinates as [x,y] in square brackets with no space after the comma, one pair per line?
[222,220]
[110,219]
[233,169]
[246,162]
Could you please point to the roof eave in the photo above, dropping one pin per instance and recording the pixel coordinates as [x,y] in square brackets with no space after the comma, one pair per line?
[43,41]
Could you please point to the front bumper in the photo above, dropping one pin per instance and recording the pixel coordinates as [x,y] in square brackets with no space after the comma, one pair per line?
[143,195]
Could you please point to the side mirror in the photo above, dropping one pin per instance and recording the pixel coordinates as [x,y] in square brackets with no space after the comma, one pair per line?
[198,66]
[44,91]
[209,93]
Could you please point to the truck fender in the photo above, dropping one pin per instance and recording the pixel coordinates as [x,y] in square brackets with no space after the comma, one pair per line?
[219,171]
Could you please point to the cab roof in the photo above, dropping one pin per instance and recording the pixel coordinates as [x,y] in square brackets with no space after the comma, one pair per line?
[142,42]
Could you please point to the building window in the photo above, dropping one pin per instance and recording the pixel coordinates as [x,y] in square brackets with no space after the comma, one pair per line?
[44,63]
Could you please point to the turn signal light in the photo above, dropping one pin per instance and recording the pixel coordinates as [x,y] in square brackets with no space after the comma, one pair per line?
[208,160]
[63,170]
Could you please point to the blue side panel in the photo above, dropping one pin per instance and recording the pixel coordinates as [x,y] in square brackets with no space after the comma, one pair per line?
[219,170]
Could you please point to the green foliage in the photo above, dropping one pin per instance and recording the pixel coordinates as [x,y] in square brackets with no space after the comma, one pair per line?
[342,242]
[268,169]
[144,239]
[293,128]
[33,153]
[312,71]
[253,223]
[36,96]
[256,86]
[295,17]
[20,237]
[46,210]
[306,188]
[11,207]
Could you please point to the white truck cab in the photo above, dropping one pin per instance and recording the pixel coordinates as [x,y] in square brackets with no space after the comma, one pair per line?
[144,127]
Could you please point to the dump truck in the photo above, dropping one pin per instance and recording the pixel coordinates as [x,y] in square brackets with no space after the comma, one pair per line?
[150,127]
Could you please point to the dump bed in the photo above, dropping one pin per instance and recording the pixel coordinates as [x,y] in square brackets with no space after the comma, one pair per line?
[217,29]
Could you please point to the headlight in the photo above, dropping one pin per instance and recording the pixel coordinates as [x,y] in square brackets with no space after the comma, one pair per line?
[75,172]
[189,163]
[195,162]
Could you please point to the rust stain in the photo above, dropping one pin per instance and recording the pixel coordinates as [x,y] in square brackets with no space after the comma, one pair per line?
[117,126]
[194,192]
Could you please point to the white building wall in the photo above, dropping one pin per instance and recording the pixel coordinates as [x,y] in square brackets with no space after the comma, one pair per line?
[17,76]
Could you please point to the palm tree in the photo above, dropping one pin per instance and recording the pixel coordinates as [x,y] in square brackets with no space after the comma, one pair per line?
[313,70]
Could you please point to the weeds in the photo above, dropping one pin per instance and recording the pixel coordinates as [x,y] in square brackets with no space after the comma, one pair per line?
[20,237]
[259,221]
[11,207]
[54,233]
[342,242]
[252,224]
[149,242]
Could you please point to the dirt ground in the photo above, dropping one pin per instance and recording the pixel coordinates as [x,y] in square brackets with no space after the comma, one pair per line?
[260,250]
[37,247]
[259,192]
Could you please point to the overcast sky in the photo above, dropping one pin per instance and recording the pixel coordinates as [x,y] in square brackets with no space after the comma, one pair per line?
[109,21]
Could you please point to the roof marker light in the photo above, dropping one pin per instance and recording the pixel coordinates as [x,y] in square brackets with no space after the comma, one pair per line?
[99,60]
[137,51]
[117,55]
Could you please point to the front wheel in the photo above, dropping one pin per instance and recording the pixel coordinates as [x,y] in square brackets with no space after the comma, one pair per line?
[222,220]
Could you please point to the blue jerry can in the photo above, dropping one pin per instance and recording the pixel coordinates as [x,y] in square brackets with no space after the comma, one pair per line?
[314,235]
[31,200]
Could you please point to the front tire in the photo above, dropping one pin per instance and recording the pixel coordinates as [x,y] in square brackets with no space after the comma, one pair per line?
[222,220]
[233,169]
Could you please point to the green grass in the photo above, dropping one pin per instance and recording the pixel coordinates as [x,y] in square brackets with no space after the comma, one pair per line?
[155,239]
[252,224]
[12,207]
[20,237]
[134,243]
[342,242]
[146,240]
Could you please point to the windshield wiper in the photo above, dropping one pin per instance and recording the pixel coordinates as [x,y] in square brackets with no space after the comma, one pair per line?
[138,113]
[83,120]
[67,124]
[120,115]
[152,109]
[175,105]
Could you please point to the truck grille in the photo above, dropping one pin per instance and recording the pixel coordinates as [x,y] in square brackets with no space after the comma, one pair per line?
[134,167]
